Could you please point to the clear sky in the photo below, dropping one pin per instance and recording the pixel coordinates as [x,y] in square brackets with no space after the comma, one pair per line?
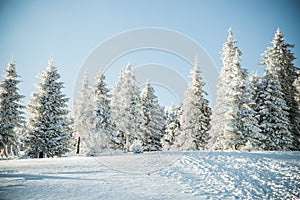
[68,30]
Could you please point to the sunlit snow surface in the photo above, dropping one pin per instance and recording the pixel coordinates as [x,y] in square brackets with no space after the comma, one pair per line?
[165,175]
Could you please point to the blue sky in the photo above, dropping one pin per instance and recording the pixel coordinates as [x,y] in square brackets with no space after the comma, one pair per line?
[34,30]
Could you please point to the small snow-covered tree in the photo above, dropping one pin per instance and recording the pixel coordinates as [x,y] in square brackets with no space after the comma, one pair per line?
[154,120]
[48,132]
[11,114]
[273,115]
[172,128]
[117,111]
[250,115]
[105,127]
[278,57]
[84,118]
[126,108]
[196,115]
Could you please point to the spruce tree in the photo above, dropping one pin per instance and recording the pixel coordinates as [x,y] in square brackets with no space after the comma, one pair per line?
[154,120]
[11,114]
[84,119]
[250,115]
[279,57]
[196,115]
[227,123]
[273,115]
[117,112]
[126,109]
[104,124]
[172,128]
[48,132]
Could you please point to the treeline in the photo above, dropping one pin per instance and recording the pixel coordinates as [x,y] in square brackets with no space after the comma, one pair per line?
[251,112]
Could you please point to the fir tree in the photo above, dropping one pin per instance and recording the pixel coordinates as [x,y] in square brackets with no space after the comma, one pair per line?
[11,114]
[154,120]
[172,128]
[196,114]
[250,115]
[279,54]
[104,124]
[273,115]
[126,107]
[227,122]
[117,112]
[48,132]
[84,119]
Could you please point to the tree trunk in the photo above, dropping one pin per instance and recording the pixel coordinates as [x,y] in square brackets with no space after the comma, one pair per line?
[41,155]
[78,146]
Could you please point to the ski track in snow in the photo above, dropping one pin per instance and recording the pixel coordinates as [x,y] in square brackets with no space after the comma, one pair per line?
[166,175]
[236,175]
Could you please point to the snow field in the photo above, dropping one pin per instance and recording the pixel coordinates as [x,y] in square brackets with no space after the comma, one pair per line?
[163,175]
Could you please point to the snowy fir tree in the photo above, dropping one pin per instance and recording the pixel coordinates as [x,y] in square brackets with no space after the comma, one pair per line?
[48,130]
[249,111]
[104,125]
[154,120]
[278,57]
[227,125]
[126,109]
[84,119]
[196,115]
[11,114]
[273,115]
[118,138]
[172,128]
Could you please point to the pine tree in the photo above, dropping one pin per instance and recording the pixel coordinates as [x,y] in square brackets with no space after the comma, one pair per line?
[273,114]
[126,108]
[11,114]
[196,114]
[154,120]
[117,111]
[279,54]
[172,128]
[48,132]
[250,115]
[227,122]
[84,119]
[104,124]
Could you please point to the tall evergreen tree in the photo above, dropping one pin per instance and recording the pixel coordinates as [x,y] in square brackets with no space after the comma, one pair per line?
[84,118]
[227,122]
[104,124]
[278,57]
[172,128]
[11,114]
[196,115]
[273,115]
[126,108]
[48,132]
[250,114]
[154,120]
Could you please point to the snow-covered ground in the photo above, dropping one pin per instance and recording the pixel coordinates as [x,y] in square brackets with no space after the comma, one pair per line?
[164,175]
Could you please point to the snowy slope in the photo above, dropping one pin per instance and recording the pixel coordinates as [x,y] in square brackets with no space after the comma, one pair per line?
[165,175]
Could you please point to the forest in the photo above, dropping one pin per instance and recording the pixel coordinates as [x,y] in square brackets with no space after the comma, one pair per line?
[252,112]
